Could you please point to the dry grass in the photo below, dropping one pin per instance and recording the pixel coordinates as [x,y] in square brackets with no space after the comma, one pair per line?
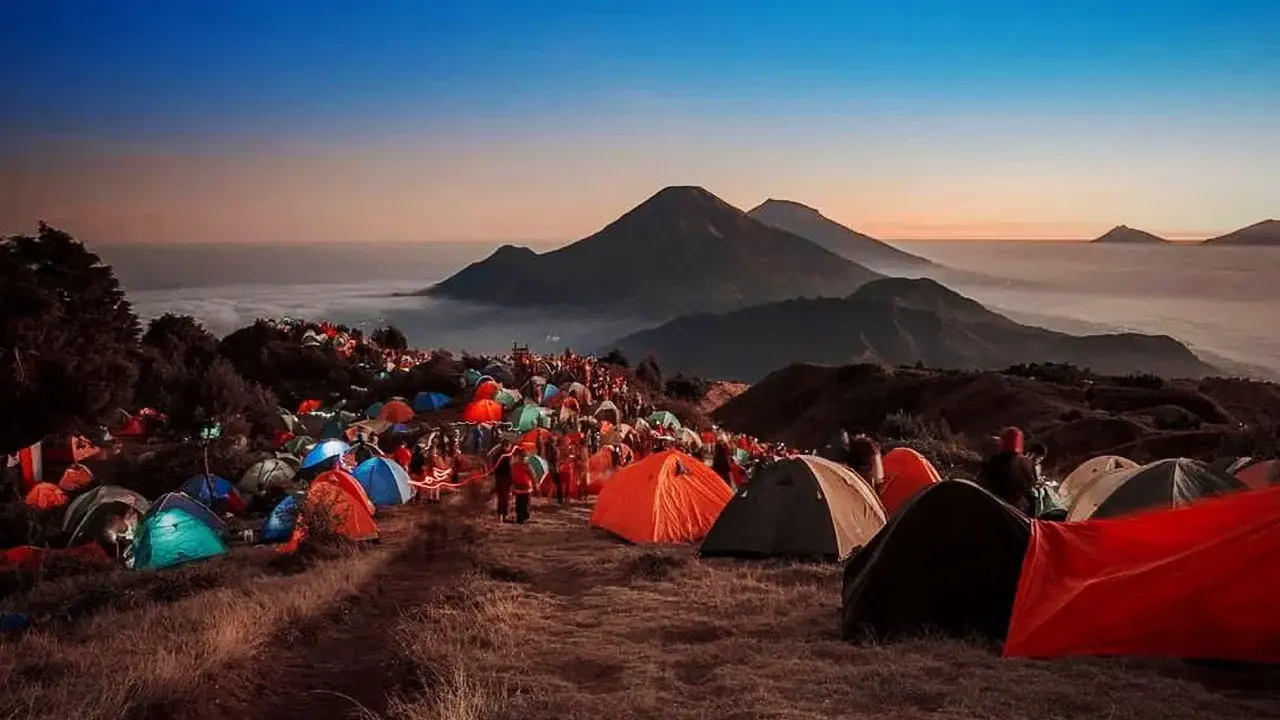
[118,644]
[559,621]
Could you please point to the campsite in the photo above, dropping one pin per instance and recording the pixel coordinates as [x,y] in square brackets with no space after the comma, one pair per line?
[342,557]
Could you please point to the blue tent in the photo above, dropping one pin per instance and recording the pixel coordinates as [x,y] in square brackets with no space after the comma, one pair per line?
[384,481]
[192,507]
[171,537]
[429,401]
[209,489]
[332,430]
[279,524]
[373,410]
[549,392]
[325,453]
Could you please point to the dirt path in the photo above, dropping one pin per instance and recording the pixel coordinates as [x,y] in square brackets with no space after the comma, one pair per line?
[348,662]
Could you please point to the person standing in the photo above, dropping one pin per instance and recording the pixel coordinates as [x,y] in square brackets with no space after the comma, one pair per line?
[502,477]
[552,456]
[521,484]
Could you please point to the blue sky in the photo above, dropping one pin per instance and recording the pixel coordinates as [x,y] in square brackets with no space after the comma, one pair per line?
[508,120]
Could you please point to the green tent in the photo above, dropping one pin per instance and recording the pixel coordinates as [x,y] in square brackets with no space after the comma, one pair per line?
[171,537]
[664,419]
[525,417]
[1049,504]
[508,398]
[299,445]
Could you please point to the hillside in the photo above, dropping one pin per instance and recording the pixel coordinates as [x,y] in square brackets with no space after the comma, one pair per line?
[683,250]
[808,223]
[895,321]
[1077,417]
[1125,235]
[1264,233]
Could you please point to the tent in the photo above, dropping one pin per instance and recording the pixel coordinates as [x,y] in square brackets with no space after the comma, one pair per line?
[608,411]
[264,474]
[92,513]
[343,513]
[1088,470]
[75,477]
[333,429]
[501,373]
[172,536]
[1161,484]
[906,472]
[429,401]
[1049,505]
[396,411]
[193,508]
[947,561]
[384,481]
[486,389]
[525,418]
[665,419]
[281,520]
[1196,582]
[299,446]
[1259,474]
[373,410]
[212,490]
[79,508]
[804,507]
[325,454]
[482,411]
[45,496]
[667,497]
[346,482]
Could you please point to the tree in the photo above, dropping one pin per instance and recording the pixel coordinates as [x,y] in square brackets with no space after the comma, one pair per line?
[649,372]
[686,387]
[67,338]
[389,337]
[616,358]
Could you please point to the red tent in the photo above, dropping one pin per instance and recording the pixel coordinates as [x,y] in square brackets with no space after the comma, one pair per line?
[1196,582]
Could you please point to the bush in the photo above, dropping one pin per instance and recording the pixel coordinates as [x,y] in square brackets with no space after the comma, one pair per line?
[1060,373]
[684,387]
[649,373]
[389,337]
[1141,380]
[616,358]
[902,425]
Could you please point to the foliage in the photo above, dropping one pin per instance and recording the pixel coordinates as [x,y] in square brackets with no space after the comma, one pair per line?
[1146,381]
[1061,373]
[649,373]
[270,357]
[67,334]
[616,358]
[685,387]
[390,337]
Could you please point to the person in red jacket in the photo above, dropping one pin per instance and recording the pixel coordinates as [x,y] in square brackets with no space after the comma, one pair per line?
[522,484]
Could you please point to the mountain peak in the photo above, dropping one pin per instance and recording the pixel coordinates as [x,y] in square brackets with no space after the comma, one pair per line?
[1266,232]
[1126,234]
[807,222]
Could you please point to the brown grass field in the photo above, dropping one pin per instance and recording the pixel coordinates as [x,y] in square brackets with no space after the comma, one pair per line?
[455,617]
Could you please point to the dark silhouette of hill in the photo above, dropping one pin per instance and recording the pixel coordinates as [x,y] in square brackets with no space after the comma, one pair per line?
[683,250]
[1077,415]
[896,321]
[1125,235]
[1264,233]
[808,223]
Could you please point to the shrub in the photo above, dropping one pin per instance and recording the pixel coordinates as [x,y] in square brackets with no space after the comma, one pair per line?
[389,337]
[616,358]
[649,373]
[1141,380]
[685,387]
[1061,373]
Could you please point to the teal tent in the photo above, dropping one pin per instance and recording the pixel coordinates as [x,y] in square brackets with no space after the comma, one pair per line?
[172,537]
[525,418]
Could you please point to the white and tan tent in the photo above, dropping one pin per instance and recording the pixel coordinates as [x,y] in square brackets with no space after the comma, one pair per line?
[805,506]
[1161,484]
[1088,471]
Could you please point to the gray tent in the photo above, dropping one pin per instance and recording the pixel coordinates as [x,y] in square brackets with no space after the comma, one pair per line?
[1161,484]
[805,507]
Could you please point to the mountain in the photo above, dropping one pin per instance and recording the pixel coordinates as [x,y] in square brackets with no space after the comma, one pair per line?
[1266,232]
[1125,235]
[896,321]
[808,223]
[682,251]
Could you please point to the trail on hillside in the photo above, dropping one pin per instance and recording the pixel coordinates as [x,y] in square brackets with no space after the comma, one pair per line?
[347,662]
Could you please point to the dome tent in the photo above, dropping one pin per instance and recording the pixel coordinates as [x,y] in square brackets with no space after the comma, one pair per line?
[172,536]
[385,482]
[1161,484]
[281,520]
[665,498]
[804,507]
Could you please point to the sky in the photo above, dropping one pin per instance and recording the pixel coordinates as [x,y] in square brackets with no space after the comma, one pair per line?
[206,121]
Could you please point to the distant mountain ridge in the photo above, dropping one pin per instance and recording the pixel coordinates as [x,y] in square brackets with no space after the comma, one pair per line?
[1125,235]
[809,223]
[1263,233]
[682,251]
[897,321]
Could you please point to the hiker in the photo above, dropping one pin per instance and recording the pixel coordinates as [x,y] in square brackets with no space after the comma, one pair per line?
[865,459]
[501,464]
[521,484]
[402,454]
[1037,454]
[722,462]
[837,448]
[551,453]
[1009,474]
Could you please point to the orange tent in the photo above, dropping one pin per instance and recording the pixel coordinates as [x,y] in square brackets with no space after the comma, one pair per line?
[70,449]
[599,469]
[347,516]
[529,440]
[346,482]
[46,496]
[906,472]
[1260,474]
[75,478]
[396,411]
[308,406]
[487,389]
[482,411]
[1199,581]
[667,497]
